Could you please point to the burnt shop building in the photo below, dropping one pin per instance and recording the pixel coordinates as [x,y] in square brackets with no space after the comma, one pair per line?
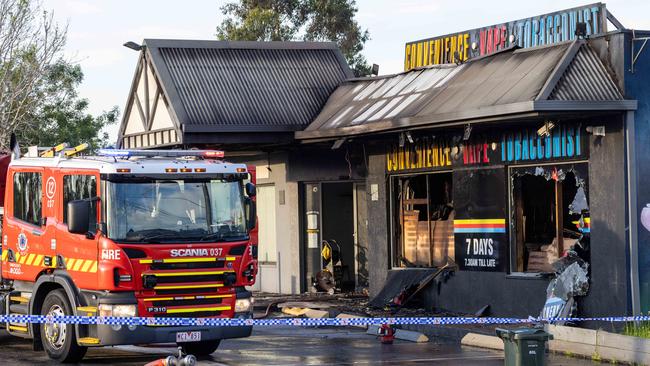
[496,165]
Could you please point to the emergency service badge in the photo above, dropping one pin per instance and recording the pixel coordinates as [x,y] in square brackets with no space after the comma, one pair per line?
[22,244]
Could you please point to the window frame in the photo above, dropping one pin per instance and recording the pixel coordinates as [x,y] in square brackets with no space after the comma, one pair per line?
[512,234]
[40,173]
[64,203]
[394,237]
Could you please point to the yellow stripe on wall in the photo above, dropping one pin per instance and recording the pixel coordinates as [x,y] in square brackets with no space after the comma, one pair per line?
[480,221]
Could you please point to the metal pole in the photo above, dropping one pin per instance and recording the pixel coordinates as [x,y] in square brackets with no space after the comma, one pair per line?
[279,273]
[633,212]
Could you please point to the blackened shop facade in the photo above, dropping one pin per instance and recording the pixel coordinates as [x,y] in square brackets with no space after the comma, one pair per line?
[495,167]
[495,207]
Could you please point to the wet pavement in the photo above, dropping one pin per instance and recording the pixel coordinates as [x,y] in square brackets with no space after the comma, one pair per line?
[289,346]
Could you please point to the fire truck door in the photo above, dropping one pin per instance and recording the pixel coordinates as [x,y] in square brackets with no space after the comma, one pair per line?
[79,251]
[24,225]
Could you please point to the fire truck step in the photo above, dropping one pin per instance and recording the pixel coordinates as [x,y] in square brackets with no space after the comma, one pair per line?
[89,310]
[88,341]
[17,328]
[20,299]
[18,308]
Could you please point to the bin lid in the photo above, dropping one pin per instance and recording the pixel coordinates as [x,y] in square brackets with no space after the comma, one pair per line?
[524,333]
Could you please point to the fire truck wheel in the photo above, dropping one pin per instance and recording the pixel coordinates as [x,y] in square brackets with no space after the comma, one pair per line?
[60,340]
[199,349]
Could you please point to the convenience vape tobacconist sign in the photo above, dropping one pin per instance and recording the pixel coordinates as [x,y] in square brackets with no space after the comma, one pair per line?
[530,32]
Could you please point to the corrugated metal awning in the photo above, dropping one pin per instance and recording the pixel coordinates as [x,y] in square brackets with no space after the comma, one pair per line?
[567,76]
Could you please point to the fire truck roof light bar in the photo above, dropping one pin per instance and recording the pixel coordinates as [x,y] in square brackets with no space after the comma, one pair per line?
[209,154]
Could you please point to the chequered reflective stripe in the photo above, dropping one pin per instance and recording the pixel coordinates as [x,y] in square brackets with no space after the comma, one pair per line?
[300,322]
[81,265]
[71,264]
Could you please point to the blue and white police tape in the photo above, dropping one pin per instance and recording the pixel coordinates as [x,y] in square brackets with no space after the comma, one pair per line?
[300,322]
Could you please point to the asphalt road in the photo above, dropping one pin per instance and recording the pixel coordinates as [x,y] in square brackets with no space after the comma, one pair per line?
[287,346]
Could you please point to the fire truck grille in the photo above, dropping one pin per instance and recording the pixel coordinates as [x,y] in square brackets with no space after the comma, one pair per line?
[190,265]
[188,291]
[193,279]
[167,303]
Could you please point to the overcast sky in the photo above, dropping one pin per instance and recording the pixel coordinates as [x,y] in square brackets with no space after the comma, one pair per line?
[97,30]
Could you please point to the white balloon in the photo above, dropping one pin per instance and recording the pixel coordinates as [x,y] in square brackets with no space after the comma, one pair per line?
[645,217]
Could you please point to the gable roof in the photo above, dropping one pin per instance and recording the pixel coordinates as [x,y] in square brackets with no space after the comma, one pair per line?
[211,88]
[513,81]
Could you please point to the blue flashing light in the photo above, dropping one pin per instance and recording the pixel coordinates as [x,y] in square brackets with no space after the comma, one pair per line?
[114,152]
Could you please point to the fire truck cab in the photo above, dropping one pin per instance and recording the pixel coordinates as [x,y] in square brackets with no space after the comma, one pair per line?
[127,233]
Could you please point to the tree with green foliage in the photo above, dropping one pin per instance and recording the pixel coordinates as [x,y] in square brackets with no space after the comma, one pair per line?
[63,117]
[38,97]
[307,20]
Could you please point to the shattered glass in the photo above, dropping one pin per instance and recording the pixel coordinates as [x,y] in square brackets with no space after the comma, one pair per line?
[579,203]
[572,281]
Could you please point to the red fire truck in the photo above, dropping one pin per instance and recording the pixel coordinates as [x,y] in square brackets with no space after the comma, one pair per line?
[126,233]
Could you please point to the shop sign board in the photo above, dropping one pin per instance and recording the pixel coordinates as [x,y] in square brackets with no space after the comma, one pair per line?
[513,146]
[480,236]
[565,141]
[423,153]
[529,32]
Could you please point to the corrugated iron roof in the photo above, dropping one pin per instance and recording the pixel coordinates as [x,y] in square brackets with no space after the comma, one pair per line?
[586,78]
[511,81]
[217,86]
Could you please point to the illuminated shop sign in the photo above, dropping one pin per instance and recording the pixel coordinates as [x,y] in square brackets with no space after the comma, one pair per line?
[528,145]
[558,142]
[530,32]
[427,152]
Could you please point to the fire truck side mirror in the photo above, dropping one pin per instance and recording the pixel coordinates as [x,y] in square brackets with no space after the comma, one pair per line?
[251,213]
[78,216]
[251,190]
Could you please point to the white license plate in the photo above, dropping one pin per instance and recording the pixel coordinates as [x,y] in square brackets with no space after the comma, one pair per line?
[188,336]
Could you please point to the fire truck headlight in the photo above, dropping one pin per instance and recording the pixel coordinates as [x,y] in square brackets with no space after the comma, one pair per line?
[242,305]
[117,310]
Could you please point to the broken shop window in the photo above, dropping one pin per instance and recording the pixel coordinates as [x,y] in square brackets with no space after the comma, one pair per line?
[424,220]
[550,215]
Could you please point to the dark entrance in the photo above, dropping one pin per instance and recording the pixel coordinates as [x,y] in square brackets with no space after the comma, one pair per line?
[338,226]
[335,212]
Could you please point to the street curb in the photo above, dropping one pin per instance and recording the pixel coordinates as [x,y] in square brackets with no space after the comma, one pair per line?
[449,333]
[405,335]
[482,340]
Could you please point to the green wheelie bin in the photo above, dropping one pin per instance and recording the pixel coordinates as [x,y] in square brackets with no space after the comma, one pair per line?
[524,346]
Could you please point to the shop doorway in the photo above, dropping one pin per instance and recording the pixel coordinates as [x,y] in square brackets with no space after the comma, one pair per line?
[335,215]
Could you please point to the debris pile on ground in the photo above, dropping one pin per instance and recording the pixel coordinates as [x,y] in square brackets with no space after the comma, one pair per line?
[571,280]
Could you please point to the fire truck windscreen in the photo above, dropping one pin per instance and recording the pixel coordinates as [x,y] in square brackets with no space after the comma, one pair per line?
[159,211]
